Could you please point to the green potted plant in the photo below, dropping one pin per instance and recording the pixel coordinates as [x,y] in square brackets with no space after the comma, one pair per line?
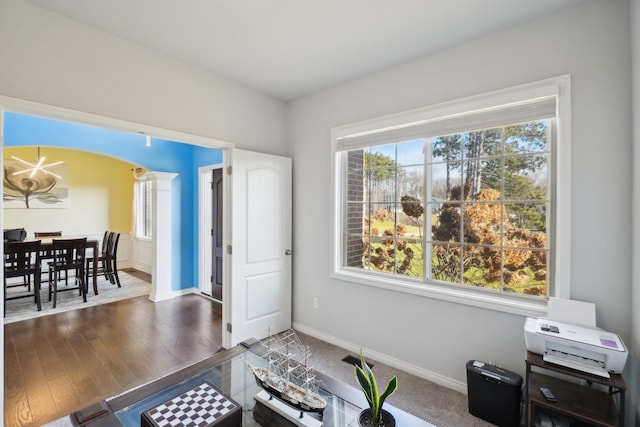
[374,415]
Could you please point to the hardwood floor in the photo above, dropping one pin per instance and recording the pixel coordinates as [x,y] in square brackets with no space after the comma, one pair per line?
[57,364]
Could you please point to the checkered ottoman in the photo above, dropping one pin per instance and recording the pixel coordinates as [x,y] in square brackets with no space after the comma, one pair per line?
[202,406]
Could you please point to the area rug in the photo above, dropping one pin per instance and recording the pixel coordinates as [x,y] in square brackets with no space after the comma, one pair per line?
[25,308]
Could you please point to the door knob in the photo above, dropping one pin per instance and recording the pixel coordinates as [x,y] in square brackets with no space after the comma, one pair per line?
[287,252]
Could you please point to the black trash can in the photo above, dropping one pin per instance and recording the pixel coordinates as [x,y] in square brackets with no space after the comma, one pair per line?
[494,393]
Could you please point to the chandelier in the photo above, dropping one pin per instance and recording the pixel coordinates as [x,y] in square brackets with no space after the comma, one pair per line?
[34,167]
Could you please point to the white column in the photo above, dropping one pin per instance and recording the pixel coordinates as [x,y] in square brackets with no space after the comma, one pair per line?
[161,229]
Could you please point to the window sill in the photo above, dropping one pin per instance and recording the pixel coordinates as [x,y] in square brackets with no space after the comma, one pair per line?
[472,297]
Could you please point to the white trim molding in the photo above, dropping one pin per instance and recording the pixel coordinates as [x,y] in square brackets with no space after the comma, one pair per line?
[161,272]
[546,95]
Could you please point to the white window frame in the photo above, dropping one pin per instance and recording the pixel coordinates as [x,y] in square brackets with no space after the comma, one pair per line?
[559,236]
[144,209]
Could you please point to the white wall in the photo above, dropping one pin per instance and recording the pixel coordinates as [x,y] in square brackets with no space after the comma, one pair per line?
[589,41]
[142,258]
[634,380]
[53,60]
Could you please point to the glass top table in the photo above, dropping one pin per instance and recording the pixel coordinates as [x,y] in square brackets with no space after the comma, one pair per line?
[229,373]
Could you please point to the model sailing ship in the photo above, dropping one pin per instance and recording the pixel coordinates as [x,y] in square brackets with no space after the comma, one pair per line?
[287,376]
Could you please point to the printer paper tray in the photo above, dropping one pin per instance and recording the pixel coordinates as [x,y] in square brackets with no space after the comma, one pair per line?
[575,362]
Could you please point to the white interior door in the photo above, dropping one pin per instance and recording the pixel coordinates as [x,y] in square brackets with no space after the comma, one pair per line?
[260,294]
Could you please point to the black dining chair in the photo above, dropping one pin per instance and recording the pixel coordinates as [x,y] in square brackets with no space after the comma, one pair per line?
[68,255]
[103,257]
[17,235]
[22,259]
[108,260]
[14,234]
[46,254]
[113,260]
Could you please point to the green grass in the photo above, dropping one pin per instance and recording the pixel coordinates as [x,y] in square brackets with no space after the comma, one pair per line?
[410,230]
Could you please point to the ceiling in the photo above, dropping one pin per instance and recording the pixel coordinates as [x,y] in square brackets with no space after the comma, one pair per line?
[291,48]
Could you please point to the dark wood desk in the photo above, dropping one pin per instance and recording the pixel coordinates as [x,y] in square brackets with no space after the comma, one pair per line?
[582,403]
[47,243]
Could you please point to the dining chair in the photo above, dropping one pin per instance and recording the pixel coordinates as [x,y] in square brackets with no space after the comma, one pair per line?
[47,233]
[46,254]
[108,260]
[22,259]
[17,235]
[14,234]
[103,257]
[113,259]
[68,255]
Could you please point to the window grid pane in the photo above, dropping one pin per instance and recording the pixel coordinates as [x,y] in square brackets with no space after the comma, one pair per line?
[502,244]
[487,194]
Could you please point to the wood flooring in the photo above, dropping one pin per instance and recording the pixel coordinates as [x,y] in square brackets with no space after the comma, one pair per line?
[57,364]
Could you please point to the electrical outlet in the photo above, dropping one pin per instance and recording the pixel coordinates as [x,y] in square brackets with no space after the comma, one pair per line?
[315,302]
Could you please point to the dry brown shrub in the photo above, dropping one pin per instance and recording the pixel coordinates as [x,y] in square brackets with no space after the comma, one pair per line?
[380,215]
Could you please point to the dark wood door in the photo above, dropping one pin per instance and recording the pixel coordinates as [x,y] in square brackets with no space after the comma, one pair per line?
[216,233]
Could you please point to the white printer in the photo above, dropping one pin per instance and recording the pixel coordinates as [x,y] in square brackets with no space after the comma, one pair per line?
[583,348]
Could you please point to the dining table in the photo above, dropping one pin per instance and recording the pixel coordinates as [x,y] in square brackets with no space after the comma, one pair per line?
[46,243]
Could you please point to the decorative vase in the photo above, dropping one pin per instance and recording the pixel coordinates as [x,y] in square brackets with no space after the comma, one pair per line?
[366,420]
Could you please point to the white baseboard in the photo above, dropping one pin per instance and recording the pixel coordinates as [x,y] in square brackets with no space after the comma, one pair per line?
[171,295]
[186,291]
[387,360]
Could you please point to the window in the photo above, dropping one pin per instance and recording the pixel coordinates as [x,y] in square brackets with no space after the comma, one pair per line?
[459,200]
[144,212]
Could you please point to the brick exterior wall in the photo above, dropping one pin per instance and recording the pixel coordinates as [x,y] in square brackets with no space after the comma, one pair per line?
[355,246]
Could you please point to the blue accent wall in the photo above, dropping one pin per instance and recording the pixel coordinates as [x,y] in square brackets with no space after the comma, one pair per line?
[162,156]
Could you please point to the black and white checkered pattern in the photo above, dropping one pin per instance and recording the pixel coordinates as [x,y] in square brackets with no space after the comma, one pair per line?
[199,407]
